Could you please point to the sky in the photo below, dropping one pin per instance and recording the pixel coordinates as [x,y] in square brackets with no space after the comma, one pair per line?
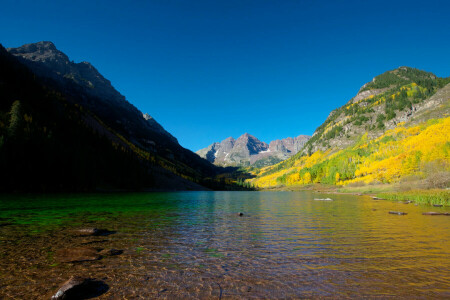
[207,70]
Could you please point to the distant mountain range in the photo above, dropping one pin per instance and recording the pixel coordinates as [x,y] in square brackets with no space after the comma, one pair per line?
[248,150]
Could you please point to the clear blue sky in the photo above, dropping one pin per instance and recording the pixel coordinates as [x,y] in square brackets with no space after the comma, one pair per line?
[207,70]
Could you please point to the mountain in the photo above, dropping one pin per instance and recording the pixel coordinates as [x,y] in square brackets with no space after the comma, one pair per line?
[63,126]
[100,96]
[390,98]
[396,127]
[248,150]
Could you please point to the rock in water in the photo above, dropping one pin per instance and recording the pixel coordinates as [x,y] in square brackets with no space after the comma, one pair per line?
[95,231]
[77,254]
[432,213]
[324,199]
[397,213]
[246,289]
[110,252]
[80,288]
[240,214]
[71,289]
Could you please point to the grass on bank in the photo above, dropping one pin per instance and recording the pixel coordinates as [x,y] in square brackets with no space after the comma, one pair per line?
[393,192]
[368,189]
[430,197]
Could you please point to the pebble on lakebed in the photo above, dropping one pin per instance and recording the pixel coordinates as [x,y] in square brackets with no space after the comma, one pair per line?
[246,289]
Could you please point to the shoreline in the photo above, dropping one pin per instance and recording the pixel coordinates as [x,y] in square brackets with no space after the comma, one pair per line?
[389,192]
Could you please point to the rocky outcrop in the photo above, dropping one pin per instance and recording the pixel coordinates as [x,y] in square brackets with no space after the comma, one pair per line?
[248,150]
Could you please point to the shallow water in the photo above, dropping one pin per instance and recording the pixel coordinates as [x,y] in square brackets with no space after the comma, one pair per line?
[194,245]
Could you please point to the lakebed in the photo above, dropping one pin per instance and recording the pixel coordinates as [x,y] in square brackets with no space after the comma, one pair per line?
[196,245]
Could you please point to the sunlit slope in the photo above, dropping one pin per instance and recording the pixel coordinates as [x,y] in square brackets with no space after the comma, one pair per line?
[402,131]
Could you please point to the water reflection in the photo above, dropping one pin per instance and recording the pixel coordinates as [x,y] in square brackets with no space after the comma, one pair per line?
[194,245]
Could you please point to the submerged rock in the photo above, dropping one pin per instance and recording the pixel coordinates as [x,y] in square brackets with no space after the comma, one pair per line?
[324,199]
[77,254]
[95,231]
[246,289]
[240,214]
[432,213]
[397,213]
[110,252]
[71,288]
[80,288]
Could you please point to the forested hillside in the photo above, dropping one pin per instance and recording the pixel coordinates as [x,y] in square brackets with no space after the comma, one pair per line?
[51,140]
[397,127]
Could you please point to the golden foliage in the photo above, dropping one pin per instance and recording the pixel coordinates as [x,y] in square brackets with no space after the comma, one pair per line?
[397,153]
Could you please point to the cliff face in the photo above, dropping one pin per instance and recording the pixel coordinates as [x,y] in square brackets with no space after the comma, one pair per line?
[248,150]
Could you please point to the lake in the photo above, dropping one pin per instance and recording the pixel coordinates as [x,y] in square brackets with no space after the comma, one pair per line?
[195,245]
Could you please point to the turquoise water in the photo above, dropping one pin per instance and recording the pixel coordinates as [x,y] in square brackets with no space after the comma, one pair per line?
[194,245]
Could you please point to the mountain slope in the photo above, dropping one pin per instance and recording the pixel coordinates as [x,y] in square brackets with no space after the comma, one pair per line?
[248,150]
[99,95]
[395,109]
[67,128]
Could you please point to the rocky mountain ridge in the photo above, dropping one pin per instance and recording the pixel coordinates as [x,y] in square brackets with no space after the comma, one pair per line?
[248,150]
[47,61]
